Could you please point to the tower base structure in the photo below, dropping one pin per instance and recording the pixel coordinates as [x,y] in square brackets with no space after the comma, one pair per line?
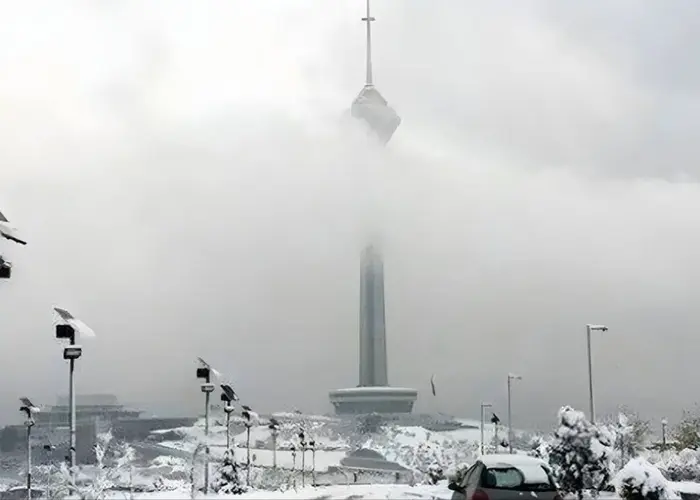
[365,400]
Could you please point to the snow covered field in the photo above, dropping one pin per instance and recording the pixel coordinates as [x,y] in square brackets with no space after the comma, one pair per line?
[354,492]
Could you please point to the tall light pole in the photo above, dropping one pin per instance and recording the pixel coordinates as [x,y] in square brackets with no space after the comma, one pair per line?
[312,445]
[302,444]
[67,331]
[511,377]
[664,424]
[589,329]
[483,407]
[274,427]
[204,373]
[29,410]
[228,396]
[250,417]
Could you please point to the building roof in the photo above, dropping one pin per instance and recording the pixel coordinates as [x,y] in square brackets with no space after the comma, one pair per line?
[370,460]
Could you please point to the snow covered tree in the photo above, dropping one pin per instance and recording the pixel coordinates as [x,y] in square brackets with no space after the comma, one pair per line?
[687,433]
[639,480]
[630,435]
[435,473]
[539,448]
[580,453]
[369,424]
[227,479]
[114,466]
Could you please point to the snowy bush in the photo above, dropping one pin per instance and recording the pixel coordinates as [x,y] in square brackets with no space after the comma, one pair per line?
[456,473]
[682,466]
[272,479]
[580,453]
[113,468]
[227,479]
[639,480]
[687,433]
[435,473]
[539,448]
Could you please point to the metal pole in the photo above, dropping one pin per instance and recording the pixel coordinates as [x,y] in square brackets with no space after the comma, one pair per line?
[247,445]
[663,434]
[482,428]
[29,460]
[510,420]
[206,439]
[590,374]
[228,430]
[274,449]
[496,444]
[313,466]
[303,464]
[71,397]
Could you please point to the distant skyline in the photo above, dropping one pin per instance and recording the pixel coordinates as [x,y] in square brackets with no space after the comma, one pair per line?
[188,189]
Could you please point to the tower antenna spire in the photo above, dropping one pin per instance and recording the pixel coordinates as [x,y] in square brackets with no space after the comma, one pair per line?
[368,19]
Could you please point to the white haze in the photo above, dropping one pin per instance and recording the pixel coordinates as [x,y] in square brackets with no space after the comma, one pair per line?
[189,186]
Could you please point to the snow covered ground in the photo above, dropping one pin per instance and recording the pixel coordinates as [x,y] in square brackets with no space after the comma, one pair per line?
[354,492]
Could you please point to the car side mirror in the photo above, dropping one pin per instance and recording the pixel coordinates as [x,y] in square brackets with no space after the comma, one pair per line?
[455,487]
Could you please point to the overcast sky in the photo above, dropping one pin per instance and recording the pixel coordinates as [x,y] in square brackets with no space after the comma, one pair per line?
[189,186]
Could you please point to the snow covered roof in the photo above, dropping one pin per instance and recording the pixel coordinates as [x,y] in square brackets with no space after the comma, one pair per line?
[370,460]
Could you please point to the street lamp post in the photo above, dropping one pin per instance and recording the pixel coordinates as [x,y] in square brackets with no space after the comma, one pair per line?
[312,445]
[302,444]
[511,377]
[274,427]
[483,407]
[664,424]
[228,396]
[589,329]
[67,331]
[250,417]
[204,373]
[29,410]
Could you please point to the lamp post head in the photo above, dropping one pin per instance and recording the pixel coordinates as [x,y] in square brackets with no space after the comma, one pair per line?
[486,405]
[513,376]
[72,352]
[664,422]
[29,409]
[599,328]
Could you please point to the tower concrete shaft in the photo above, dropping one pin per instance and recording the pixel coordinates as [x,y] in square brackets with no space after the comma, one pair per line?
[373,355]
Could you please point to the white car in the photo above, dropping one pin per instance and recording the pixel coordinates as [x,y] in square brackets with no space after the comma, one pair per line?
[506,477]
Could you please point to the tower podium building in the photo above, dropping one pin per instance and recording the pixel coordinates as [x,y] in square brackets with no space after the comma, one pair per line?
[373,394]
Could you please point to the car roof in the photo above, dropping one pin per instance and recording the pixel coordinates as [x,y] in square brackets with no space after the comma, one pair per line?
[507,460]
